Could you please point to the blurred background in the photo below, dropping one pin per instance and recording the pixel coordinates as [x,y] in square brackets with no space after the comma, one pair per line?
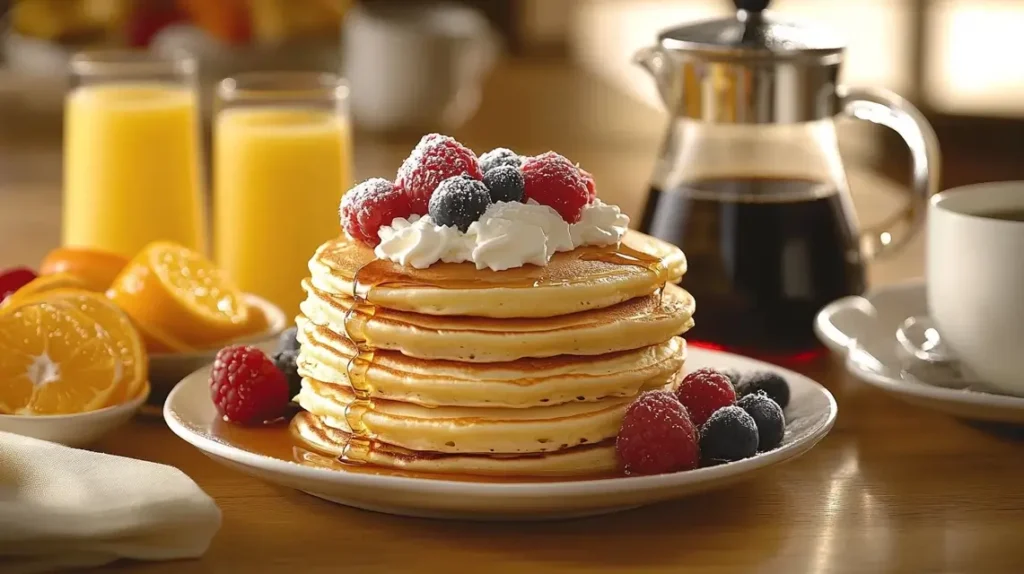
[562,76]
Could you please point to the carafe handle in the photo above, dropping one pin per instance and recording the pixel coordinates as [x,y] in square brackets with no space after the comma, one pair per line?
[890,110]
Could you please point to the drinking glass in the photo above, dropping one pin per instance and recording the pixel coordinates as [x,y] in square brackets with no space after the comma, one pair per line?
[281,164]
[132,170]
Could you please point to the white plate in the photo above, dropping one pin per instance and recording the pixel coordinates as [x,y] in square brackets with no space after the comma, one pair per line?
[77,430]
[863,329]
[811,413]
[166,369]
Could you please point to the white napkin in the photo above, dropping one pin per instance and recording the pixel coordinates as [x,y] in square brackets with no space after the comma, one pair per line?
[67,508]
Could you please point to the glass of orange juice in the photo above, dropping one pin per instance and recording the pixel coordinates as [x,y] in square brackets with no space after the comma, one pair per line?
[132,170]
[281,163]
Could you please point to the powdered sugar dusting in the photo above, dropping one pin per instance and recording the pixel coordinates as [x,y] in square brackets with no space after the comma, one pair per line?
[551,179]
[434,159]
[498,157]
[459,201]
[369,205]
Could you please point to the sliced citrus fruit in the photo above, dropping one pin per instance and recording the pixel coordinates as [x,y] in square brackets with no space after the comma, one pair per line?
[55,359]
[97,269]
[257,322]
[115,325]
[157,341]
[174,290]
[42,284]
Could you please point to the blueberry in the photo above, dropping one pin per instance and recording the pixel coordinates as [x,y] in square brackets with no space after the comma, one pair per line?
[767,415]
[499,157]
[459,201]
[730,434]
[288,341]
[286,361]
[733,375]
[771,383]
[505,183]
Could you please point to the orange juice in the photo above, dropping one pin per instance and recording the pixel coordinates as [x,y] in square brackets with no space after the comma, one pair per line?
[279,173]
[131,167]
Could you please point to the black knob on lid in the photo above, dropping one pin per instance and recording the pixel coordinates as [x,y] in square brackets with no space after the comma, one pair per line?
[752,5]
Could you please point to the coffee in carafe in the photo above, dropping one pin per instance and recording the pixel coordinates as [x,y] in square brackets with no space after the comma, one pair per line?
[765,254]
[750,183]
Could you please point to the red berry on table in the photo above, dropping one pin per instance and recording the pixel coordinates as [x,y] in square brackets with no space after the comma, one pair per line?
[370,205]
[246,386]
[591,185]
[657,436]
[14,279]
[703,392]
[434,159]
[552,180]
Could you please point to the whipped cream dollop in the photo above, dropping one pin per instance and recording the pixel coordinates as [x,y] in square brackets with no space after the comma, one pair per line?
[507,235]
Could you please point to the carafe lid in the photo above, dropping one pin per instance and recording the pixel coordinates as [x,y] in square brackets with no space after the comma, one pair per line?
[752,34]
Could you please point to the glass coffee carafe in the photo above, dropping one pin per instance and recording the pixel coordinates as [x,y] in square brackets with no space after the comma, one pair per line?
[750,183]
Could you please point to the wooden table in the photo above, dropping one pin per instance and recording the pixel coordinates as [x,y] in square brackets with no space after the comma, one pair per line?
[893,488]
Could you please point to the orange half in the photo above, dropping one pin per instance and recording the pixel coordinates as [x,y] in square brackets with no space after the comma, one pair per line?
[173,290]
[56,359]
[96,269]
[118,327]
[42,284]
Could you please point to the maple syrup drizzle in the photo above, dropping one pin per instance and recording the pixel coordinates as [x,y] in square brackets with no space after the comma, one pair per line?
[360,444]
[378,272]
[384,273]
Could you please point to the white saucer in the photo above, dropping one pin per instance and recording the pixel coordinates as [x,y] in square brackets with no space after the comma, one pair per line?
[863,329]
[811,413]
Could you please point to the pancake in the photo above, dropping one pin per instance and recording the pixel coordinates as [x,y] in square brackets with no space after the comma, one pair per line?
[633,324]
[588,459]
[469,429]
[578,280]
[516,384]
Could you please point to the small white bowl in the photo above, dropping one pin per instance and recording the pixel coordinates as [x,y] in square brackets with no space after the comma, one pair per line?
[167,369]
[77,430]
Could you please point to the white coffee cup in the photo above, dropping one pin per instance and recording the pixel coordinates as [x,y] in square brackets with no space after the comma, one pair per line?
[416,65]
[975,273]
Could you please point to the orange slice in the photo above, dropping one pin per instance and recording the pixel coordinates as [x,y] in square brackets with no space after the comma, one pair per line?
[116,325]
[157,341]
[257,322]
[96,269]
[42,284]
[57,359]
[170,289]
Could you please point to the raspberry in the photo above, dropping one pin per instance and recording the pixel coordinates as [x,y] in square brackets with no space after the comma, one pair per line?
[433,160]
[14,279]
[657,436]
[703,392]
[591,185]
[552,180]
[246,387]
[369,205]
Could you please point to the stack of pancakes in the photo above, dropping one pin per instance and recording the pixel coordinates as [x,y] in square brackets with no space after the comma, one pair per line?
[457,370]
